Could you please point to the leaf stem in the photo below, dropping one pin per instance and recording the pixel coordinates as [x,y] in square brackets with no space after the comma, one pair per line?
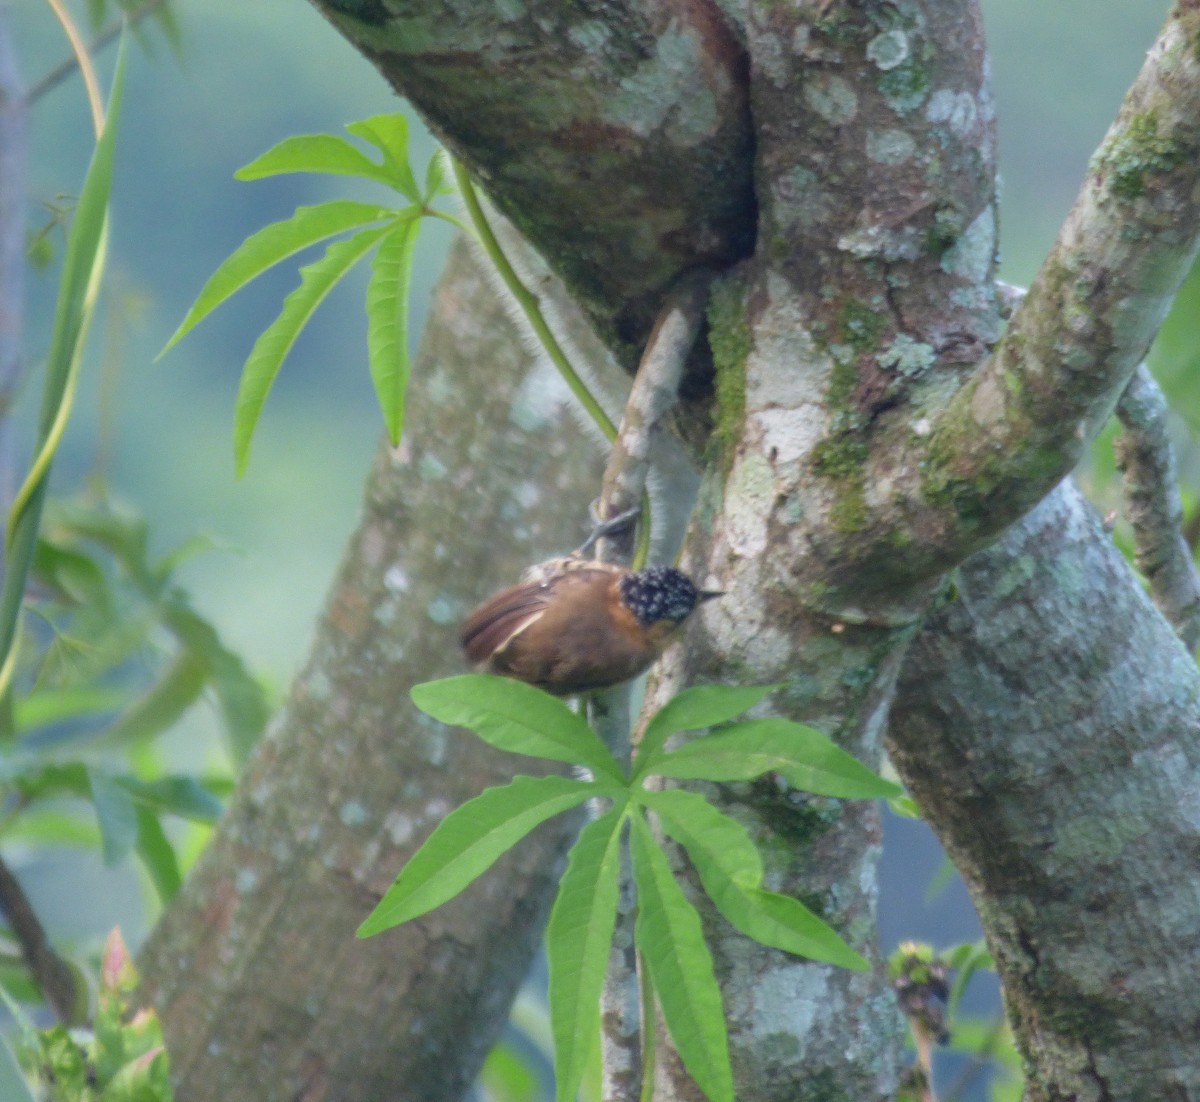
[530,304]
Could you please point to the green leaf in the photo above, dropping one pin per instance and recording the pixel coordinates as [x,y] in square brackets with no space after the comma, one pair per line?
[244,707]
[13,1085]
[389,134]
[158,856]
[272,244]
[176,690]
[707,834]
[469,841]
[436,176]
[509,1075]
[73,575]
[671,941]
[40,709]
[516,717]
[905,806]
[966,960]
[315,153]
[693,709]
[274,343]
[116,814]
[803,755]
[144,1079]
[181,795]
[730,868]
[578,941]
[387,320]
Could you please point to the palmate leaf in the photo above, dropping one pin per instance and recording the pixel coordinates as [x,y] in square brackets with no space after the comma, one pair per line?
[803,755]
[387,321]
[730,869]
[261,251]
[578,940]
[315,153]
[670,938]
[469,841]
[516,717]
[389,134]
[274,343]
[693,709]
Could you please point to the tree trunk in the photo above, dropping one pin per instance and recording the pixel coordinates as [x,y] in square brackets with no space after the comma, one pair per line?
[264,990]
[864,428]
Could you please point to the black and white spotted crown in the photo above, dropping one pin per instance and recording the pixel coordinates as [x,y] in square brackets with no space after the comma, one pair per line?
[660,593]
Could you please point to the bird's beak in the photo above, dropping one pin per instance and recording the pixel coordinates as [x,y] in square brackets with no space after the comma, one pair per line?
[709,594]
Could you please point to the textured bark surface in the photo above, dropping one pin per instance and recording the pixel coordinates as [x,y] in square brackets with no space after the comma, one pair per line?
[265,992]
[616,136]
[1048,722]
[865,439]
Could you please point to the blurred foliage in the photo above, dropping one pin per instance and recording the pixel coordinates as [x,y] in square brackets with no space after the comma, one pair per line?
[122,1058]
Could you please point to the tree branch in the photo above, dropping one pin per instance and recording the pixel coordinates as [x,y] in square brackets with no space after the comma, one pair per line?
[617,139]
[1151,486]
[1048,723]
[1023,421]
[265,993]
[50,972]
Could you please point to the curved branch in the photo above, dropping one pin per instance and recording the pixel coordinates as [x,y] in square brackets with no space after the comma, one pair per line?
[616,137]
[1151,489]
[1023,421]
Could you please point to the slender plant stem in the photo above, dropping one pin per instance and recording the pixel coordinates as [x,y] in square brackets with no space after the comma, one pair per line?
[106,37]
[51,973]
[529,303]
[84,63]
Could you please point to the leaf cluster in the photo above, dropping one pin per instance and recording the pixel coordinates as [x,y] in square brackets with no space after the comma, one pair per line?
[121,1059]
[121,656]
[390,232]
[521,719]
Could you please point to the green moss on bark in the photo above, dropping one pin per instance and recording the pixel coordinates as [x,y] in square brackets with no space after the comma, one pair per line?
[1135,153]
[729,339]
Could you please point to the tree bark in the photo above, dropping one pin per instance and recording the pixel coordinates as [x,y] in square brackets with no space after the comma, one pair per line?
[264,991]
[1048,723]
[869,433]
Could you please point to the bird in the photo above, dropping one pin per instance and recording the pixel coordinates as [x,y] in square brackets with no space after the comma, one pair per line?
[575,626]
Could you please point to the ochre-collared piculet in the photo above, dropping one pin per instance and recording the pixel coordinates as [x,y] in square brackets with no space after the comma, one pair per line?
[578,625]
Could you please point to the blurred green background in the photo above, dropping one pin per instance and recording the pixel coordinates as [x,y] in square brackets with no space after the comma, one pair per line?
[249,74]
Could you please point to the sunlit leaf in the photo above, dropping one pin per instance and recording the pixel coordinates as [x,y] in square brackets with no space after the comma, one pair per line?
[389,134]
[516,717]
[315,153]
[730,869]
[468,842]
[275,342]
[693,709]
[387,321]
[578,941]
[671,940]
[261,251]
[803,755]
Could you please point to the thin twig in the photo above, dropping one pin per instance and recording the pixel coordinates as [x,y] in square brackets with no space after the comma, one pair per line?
[51,973]
[106,37]
[84,62]
[654,393]
[1147,463]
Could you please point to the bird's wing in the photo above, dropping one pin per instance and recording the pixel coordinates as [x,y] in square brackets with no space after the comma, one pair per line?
[500,619]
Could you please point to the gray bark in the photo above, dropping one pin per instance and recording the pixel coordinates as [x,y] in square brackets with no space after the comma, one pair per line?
[1048,722]
[264,991]
[865,440]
